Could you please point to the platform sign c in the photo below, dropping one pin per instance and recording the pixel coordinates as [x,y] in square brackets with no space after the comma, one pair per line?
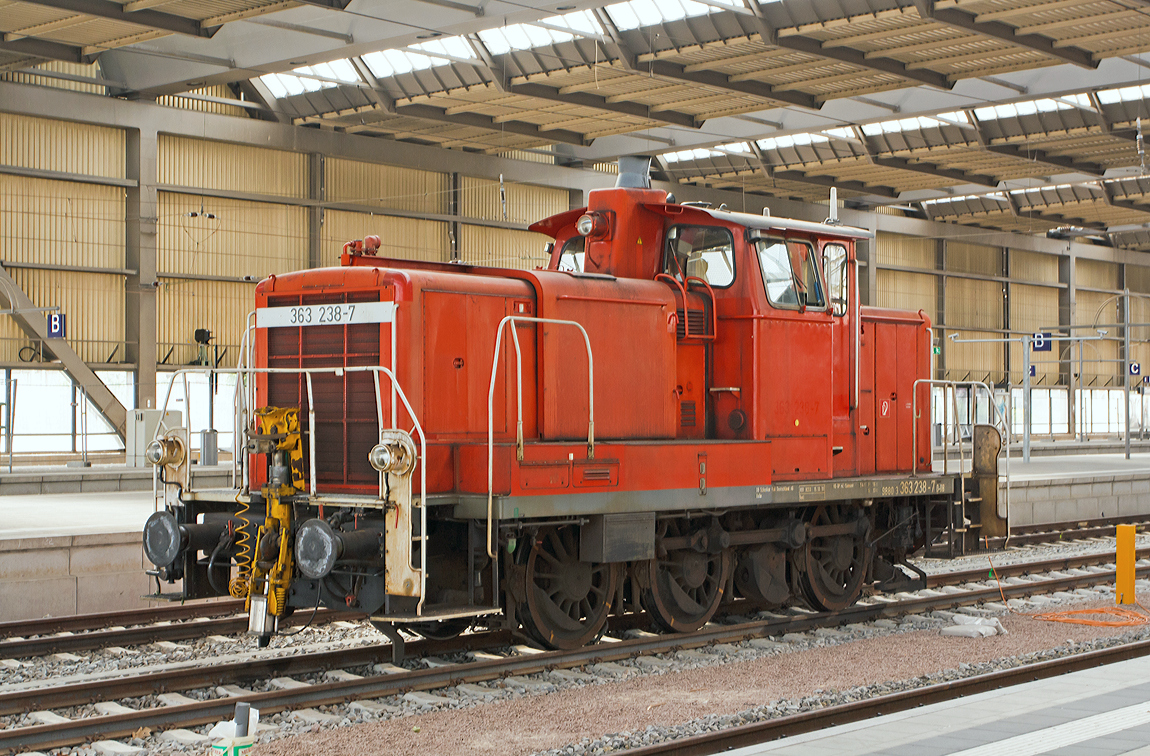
[1135,369]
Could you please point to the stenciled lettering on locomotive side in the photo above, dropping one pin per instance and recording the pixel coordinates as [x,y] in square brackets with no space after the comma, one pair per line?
[816,492]
[919,487]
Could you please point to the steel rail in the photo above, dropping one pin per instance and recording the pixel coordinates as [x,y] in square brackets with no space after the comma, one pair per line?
[46,644]
[321,694]
[19,647]
[797,724]
[85,622]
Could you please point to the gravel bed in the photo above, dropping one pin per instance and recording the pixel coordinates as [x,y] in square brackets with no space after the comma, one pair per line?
[645,700]
[1028,553]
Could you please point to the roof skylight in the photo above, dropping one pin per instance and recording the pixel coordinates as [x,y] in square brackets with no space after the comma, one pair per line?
[319,76]
[996,196]
[1125,94]
[504,39]
[387,63]
[1031,107]
[791,140]
[637,13]
[954,118]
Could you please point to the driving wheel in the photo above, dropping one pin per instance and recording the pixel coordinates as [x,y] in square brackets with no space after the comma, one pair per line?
[834,564]
[683,589]
[567,601]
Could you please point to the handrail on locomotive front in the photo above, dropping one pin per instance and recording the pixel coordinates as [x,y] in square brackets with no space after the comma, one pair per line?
[953,386]
[397,390]
[519,396]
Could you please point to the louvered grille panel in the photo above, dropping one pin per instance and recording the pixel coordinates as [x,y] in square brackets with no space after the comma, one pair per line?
[346,418]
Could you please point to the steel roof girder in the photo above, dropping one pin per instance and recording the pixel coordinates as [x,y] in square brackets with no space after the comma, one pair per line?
[598,102]
[150,18]
[45,49]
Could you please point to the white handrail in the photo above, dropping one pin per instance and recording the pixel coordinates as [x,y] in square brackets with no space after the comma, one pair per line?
[519,388]
[308,372]
[953,386]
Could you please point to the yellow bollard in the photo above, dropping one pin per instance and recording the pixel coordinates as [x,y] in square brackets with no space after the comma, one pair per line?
[1124,584]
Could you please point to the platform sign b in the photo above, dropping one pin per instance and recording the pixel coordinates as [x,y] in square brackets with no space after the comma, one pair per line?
[56,326]
[1041,342]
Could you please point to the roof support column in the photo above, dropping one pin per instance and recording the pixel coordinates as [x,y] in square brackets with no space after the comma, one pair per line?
[1007,346]
[940,314]
[455,211]
[140,256]
[1068,357]
[316,190]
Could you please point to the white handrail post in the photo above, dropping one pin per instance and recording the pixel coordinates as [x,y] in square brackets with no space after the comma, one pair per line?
[311,432]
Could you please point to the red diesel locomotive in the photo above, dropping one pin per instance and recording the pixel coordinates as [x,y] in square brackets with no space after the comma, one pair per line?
[687,407]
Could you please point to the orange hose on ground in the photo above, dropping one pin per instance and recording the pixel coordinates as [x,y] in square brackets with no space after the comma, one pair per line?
[1121,617]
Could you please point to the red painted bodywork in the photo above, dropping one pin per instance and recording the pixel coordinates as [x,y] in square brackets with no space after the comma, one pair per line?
[676,365]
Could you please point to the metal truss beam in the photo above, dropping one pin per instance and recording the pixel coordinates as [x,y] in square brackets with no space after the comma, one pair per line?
[890,161]
[1005,32]
[476,120]
[146,17]
[331,4]
[1125,204]
[1032,154]
[856,186]
[46,49]
[596,102]
[35,327]
[1018,212]
[618,48]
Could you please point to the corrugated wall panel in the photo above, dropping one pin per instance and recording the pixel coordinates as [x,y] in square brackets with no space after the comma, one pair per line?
[973,258]
[1140,335]
[92,303]
[75,69]
[1095,274]
[61,222]
[974,362]
[231,167]
[973,304]
[1138,278]
[905,251]
[403,238]
[387,186]
[220,306]
[244,239]
[1033,266]
[1096,308]
[60,146]
[1033,308]
[907,291]
[526,203]
[502,248]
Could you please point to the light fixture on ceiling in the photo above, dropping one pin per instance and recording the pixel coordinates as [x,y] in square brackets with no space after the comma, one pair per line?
[565,8]
[298,62]
[430,35]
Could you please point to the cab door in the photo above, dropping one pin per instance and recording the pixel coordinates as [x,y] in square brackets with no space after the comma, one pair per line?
[795,339]
[839,275]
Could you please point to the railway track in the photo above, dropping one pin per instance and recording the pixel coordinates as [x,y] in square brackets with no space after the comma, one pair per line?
[398,681]
[797,724]
[25,639]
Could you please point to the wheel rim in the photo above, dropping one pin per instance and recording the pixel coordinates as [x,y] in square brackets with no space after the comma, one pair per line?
[685,587]
[567,600]
[834,566]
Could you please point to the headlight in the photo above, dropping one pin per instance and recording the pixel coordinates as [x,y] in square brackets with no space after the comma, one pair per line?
[391,458]
[165,451]
[592,224]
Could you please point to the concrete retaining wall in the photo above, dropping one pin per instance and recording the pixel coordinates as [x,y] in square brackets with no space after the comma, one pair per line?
[63,575]
[1037,502]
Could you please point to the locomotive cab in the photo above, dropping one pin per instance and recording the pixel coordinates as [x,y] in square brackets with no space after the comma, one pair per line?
[686,408]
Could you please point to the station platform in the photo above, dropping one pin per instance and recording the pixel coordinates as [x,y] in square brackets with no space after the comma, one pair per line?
[1103,711]
[70,538]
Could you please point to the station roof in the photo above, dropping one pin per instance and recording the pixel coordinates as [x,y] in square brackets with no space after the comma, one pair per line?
[1022,115]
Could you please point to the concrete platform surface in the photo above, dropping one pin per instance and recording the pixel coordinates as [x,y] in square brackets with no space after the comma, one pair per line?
[1098,712]
[50,515]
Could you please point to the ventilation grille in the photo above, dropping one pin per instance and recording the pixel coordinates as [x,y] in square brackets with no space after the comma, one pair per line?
[695,324]
[687,414]
[346,424]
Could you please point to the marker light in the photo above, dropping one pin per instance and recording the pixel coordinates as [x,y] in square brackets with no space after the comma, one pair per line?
[591,224]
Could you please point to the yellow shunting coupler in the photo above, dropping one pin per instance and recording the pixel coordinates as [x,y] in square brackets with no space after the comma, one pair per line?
[1124,561]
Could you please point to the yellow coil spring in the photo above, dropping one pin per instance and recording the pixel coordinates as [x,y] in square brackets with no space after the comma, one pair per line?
[239,584]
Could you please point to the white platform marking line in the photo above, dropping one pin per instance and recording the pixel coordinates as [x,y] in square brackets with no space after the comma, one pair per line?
[1068,733]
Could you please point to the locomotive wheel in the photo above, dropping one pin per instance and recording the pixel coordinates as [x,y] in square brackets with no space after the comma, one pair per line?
[834,567]
[567,601]
[683,589]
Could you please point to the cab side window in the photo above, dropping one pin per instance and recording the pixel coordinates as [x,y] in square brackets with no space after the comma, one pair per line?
[790,274]
[571,256]
[838,280]
[703,252]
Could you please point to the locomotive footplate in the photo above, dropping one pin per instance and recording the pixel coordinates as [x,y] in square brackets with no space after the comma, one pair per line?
[573,503]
